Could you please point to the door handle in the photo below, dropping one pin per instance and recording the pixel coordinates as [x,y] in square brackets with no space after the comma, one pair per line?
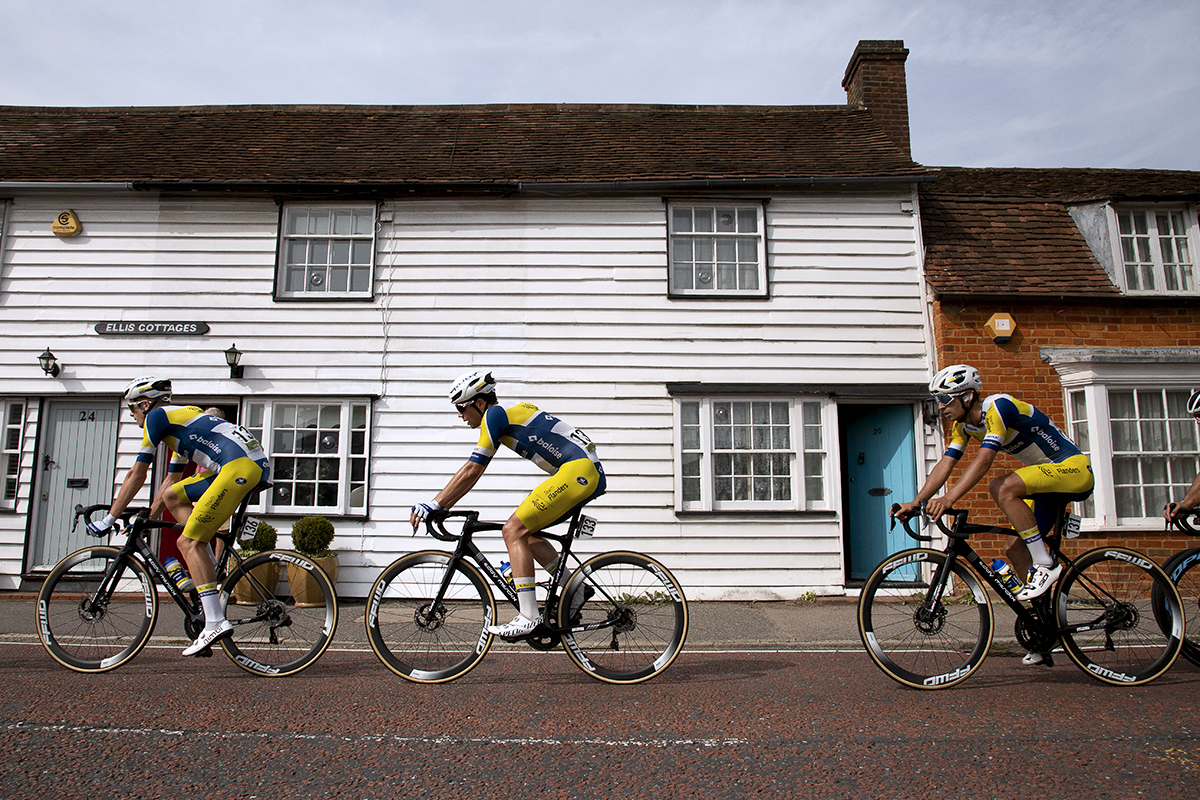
[47,461]
[879,492]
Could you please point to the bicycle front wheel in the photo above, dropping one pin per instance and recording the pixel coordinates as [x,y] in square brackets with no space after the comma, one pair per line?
[916,641]
[1111,591]
[424,636]
[88,623]
[278,629]
[1184,571]
[627,616]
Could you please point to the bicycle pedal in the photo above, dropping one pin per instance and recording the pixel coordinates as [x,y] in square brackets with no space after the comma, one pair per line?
[205,653]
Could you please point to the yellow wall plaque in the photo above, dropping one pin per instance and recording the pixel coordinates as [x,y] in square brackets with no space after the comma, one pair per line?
[66,224]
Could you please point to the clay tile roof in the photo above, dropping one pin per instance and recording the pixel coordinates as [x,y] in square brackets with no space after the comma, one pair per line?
[1010,231]
[468,145]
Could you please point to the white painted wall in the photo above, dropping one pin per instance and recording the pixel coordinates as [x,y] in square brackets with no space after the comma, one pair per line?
[564,298]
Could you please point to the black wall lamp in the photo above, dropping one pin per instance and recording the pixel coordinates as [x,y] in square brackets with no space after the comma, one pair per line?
[49,364]
[233,357]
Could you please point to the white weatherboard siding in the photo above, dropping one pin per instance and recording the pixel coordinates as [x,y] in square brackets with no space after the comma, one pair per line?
[565,299]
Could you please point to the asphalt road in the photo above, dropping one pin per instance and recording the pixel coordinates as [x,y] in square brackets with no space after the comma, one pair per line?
[717,724]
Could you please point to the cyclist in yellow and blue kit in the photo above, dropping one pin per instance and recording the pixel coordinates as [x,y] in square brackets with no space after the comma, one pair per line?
[556,447]
[231,462]
[1053,465]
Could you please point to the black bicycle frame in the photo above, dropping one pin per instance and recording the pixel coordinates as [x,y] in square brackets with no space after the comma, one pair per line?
[136,543]
[959,548]
[466,548]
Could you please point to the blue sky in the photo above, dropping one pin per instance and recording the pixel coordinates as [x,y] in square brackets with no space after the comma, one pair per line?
[1014,83]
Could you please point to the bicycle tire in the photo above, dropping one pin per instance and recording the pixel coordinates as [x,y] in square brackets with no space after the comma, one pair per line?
[273,634]
[1183,569]
[644,609]
[918,644]
[421,643]
[1119,586]
[105,637]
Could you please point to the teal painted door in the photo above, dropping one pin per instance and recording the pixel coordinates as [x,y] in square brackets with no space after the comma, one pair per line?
[882,470]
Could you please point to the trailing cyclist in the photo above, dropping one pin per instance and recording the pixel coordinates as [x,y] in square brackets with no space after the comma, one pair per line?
[1053,465]
[232,464]
[1174,511]
[558,448]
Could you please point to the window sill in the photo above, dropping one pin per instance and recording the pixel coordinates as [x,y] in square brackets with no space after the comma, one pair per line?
[748,513]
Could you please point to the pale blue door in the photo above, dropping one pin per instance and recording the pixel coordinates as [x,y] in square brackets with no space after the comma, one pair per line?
[882,470]
[78,459]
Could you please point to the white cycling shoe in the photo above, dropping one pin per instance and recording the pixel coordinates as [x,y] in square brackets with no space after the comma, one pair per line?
[520,626]
[208,637]
[1041,578]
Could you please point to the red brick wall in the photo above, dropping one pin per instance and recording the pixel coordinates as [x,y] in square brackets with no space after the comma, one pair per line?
[1016,368]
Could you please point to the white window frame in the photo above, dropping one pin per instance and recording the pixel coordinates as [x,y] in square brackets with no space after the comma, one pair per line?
[263,419]
[1149,263]
[1095,376]
[11,447]
[802,496]
[345,228]
[722,236]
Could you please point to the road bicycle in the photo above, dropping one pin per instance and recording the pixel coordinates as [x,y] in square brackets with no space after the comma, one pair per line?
[622,617]
[1183,569]
[97,608]
[926,619]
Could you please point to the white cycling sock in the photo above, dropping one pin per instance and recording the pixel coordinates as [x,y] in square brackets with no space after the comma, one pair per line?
[526,596]
[1037,548]
[210,601]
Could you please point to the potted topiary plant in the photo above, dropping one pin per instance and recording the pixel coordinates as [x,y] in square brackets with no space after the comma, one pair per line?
[266,574]
[311,536]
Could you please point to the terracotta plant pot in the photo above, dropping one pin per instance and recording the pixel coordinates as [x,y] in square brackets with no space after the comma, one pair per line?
[305,591]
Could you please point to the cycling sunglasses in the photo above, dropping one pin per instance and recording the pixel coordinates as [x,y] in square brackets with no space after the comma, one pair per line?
[944,400]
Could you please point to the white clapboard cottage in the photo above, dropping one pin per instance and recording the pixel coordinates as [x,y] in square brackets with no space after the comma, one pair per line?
[728,300]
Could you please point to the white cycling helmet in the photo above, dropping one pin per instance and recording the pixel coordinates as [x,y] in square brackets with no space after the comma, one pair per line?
[148,388]
[955,379]
[470,386]
[1194,403]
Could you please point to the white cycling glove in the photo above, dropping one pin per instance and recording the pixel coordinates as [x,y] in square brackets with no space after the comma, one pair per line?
[101,527]
[423,510]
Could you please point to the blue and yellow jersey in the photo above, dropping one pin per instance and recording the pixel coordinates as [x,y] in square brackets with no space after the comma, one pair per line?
[543,439]
[209,441]
[1018,429]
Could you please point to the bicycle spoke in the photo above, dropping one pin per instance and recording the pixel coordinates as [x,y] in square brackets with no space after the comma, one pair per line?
[639,612]
[90,634]
[917,642]
[274,634]
[423,639]
[1112,591]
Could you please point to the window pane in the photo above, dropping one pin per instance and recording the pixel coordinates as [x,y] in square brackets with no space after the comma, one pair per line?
[747,220]
[681,220]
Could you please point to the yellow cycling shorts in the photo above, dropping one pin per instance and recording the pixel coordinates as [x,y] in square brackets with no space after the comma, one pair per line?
[575,482]
[215,496]
[1070,476]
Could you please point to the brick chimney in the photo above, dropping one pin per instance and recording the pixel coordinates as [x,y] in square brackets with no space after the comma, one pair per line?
[875,81]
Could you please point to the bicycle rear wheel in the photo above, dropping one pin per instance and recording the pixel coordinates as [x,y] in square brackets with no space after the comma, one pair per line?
[639,611]
[423,639]
[89,631]
[1183,569]
[278,631]
[919,643]
[1112,589]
